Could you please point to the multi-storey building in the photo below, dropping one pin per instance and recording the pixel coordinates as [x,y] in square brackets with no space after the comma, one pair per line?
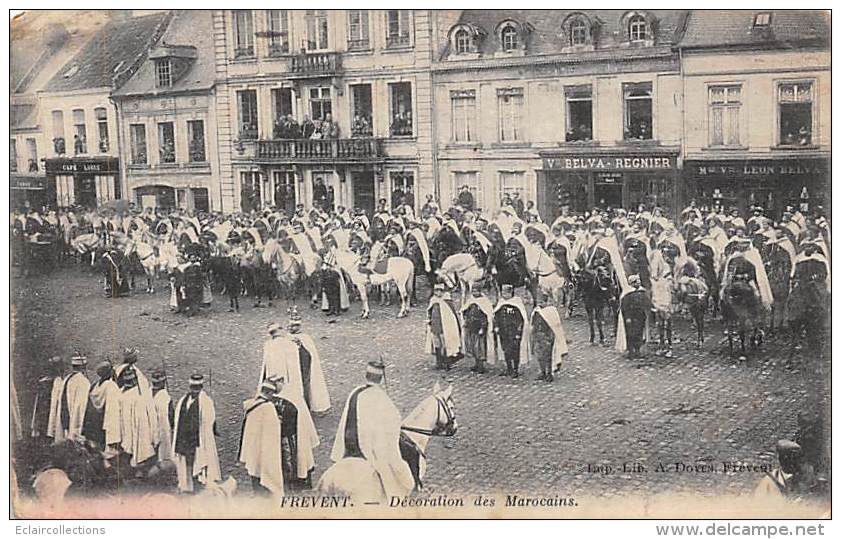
[757,115]
[167,118]
[365,71]
[570,108]
[78,119]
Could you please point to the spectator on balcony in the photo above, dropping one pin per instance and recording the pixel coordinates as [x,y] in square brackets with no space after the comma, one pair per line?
[307,127]
[361,127]
[292,129]
[79,144]
[401,124]
[329,129]
[279,129]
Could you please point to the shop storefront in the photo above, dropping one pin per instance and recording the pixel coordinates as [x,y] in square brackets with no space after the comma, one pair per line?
[608,179]
[27,192]
[803,183]
[88,182]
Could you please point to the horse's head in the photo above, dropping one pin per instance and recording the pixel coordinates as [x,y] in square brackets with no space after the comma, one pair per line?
[435,415]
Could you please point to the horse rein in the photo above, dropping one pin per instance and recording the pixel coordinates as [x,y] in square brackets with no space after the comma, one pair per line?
[439,429]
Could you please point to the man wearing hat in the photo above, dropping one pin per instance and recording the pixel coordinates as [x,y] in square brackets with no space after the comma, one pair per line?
[370,429]
[165,409]
[102,418]
[139,433]
[443,332]
[792,479]
[260,446]
[511,329]
[194,438]
[313,384]
[478,314]
[281,357]
[47,399]
[548,339]
[634,308]
[73,402]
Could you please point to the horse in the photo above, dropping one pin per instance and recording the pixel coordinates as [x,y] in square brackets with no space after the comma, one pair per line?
[808,302]
[398,270]
[512,268]
[598,288]
[741,308]
[692,295]
[547,272]
[355,477]
[88,244]
[143,256]
[662,294]
[462,270]
[226,269]
[288,270]
[705,257]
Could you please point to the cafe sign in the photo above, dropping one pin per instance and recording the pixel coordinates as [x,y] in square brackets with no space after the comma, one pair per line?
[80,166]
[609,163]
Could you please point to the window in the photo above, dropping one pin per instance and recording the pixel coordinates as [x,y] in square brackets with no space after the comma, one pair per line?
[402,188]
[13,155]
[195,136]
[58,132]
[474,186]
[247,105]
[102,129]
[166,142]
[464,44]
[510,114]
[638,114]
[401,109]
[578,32]
[243,33]
[464,115]
[80,133]
[511,183]
[509,37]
[762,19]
[362,124]
[317,29]
[163,72]
[282,105]
[278,20]
[358,37]
[137,133]
[637,28]
[579,113]
[725,107]
[320,103]
[397,28]
[32,151]
[795,110]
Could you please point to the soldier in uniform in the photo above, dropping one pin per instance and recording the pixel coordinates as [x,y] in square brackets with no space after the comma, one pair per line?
[478,327]
[511,329]
[443,332]
[634,307]
[194,442]
[548,339]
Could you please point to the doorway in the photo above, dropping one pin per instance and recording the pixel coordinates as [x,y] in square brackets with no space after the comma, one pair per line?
[363,191]
[607,195]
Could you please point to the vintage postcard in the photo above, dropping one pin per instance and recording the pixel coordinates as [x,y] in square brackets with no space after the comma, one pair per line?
[418,263]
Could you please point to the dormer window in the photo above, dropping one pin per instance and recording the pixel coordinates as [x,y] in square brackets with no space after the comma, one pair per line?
[163,72]
[762,19]
[463,41]
[578,32]
[509,37]
[638,28]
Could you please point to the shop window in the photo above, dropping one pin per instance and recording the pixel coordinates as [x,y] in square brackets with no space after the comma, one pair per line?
[163,72]
[402,188]
[247,105]
[321,103]
[725,108]
[137,133]
[638,111]
[795,113]
[166,142]
[464,115]
[317,30]
[638,28]
[32,153]
[362,124]
[58,132]
[474,187]
[13,155]
[102,129]
[511,183]
[463,41]
[278,26]
[397,28]
[243,33]
[195,136]
[282,109]
[358,33]
[579,109]
[509,37]
[401,109]
[510,103]
[578,32]
[80,133]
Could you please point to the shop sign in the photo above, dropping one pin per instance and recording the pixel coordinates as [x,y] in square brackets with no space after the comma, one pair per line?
[77,166]
[618,163]
[609,177]
[742,169]
[26,183]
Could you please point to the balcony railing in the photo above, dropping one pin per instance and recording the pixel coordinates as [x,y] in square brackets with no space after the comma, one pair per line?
[326,149]
[316,63]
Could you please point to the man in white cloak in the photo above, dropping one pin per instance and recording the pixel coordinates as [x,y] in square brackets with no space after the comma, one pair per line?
[139,433]
[281,359]
[313,384]
[548,339]
[102,419]
[370,429]
[46,408]
[165,409]
[443,333]
[194,438]
[73,401]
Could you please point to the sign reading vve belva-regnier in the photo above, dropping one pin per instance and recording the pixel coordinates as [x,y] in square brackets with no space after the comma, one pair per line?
[619,162]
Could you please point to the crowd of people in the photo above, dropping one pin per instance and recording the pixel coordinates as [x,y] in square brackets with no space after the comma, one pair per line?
[640,266]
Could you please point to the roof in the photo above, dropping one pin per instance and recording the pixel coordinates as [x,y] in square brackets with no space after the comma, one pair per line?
[724,28]
[546,24]
[111,53]
[22,116]
[180,36]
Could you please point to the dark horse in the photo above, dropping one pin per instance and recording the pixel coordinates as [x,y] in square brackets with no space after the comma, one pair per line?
[511,269]
[598,288]
[703,255]
[741,306]
[808,302]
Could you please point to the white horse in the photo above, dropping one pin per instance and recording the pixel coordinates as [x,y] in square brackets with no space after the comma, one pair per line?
[87,244]
[461,269]
[399,270]
[148,260]
[357,478]
[549,279]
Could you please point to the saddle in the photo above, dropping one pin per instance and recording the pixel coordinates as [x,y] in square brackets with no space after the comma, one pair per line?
[381,266]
